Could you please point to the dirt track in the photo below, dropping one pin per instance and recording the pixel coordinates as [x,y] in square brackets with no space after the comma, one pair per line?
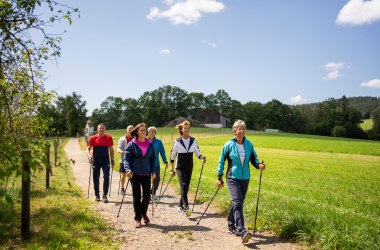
[169,229]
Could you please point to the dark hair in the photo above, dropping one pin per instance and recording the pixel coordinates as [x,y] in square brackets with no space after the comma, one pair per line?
[136,128]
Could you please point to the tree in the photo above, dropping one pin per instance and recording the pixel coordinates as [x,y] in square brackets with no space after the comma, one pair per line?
[72,112]
[25,46]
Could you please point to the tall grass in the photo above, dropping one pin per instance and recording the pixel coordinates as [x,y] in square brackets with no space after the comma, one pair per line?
[61,217]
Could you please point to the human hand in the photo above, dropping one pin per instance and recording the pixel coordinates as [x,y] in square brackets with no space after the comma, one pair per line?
[153,176]
[204,159]
[219,183]
[90,160]
[262,165]
[113,163]
[129,174]
[172,173]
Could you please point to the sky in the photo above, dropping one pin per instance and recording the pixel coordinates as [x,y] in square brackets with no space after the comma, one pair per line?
[294,51]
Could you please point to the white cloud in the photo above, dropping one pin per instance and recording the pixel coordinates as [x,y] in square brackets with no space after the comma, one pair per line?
[334,66]
[164,52]
[375,83]
[358,12]
[334,70]
[210,44]
[297,99]
[186,12]
[332,75]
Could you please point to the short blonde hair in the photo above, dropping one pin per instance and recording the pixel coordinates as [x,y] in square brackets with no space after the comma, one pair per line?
[180,126]
[129,127]
[152,128]
[237,124]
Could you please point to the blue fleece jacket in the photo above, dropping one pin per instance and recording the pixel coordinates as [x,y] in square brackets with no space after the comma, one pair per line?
[235,170]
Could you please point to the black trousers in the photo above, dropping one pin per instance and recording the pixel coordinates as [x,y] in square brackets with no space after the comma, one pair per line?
[140,204]
[184,178]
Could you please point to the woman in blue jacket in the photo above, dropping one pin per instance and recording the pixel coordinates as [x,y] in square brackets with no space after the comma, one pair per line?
[238,152]
[159,150]
[139,166]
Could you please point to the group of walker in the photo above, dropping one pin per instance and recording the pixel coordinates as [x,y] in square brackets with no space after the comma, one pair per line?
[139,162]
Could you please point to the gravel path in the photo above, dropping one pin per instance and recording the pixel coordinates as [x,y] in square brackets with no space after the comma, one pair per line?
[169,229]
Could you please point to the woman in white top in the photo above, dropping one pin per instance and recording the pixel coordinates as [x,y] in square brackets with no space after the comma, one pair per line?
[182,151]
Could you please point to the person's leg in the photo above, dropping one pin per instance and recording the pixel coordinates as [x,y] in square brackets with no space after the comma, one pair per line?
[187,185]
[236,213]
[145,184]
[136,192]
[181,173]
[95,178]
[106,178]
[122,175]
[156,181]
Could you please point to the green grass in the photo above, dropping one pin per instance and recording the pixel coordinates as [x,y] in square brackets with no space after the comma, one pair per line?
[317,190]
[61,217]
[367,124]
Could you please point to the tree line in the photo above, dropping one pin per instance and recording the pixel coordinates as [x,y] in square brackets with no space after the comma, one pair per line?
[332,117]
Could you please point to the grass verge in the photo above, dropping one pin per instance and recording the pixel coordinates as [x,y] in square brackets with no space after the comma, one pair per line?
[60,217]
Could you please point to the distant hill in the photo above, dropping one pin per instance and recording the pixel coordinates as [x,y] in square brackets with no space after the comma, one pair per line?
[365,104]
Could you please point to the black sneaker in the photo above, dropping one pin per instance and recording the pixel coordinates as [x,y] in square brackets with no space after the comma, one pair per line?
[231,230]
[245,236]
[97,198]
[105,200]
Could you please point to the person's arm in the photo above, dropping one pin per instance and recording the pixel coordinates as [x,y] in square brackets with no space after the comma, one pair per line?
[162,153]
[128,160]
[222,160]
[112,155]
[253,158]
[120,148]
[89,155]
[152,161]
[198,152]
[173,154]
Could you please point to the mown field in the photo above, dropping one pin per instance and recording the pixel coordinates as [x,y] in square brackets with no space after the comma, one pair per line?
[321,191]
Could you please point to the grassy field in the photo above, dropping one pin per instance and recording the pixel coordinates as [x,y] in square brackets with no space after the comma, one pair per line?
[321,191]
[61,217]
[367,124]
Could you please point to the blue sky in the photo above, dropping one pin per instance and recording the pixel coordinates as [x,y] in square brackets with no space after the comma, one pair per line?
[294,51]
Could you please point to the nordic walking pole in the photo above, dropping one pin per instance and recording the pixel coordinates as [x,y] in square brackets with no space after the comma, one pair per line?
[208,206]
[89,181]
[163,178]
[195,198]
[258,197]
[152,197]
[171,177]
[122,200]
[109,194]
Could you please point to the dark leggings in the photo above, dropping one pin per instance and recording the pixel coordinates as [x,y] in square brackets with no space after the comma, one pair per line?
[140,206]
[184,178]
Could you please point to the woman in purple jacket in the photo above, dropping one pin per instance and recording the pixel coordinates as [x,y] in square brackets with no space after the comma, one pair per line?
[139,166]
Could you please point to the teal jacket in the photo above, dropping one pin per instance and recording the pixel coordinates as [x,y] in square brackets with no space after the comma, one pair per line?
[235,170]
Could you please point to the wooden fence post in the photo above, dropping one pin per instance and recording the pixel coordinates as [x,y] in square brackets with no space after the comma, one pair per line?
[25,187]
[48,169]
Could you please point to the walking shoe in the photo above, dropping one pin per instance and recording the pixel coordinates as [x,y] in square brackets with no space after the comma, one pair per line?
[181,209]
[97,198]
[138,224]
[146,219]
[245,236]
[231,230]
[105,200]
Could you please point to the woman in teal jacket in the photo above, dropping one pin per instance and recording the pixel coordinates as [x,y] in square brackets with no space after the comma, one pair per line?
[238,152]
